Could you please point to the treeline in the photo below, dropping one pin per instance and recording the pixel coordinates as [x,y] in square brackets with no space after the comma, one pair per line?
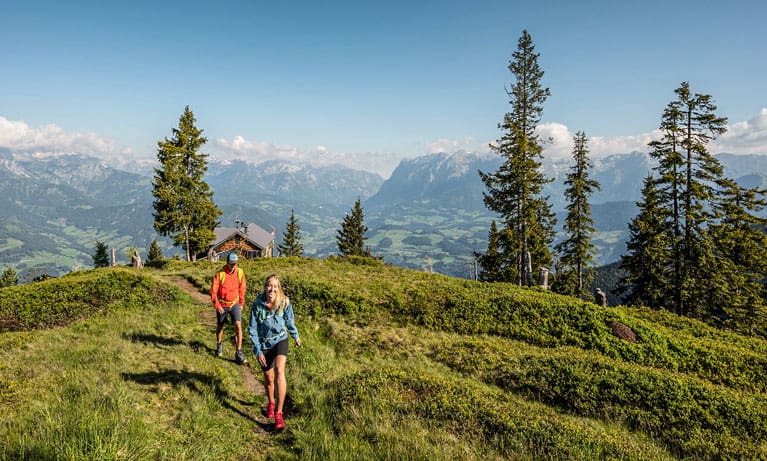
[697,246]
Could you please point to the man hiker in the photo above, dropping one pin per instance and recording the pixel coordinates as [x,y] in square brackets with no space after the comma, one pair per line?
[228,295]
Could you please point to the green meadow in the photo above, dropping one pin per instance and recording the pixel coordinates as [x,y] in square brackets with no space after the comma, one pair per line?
[117,364]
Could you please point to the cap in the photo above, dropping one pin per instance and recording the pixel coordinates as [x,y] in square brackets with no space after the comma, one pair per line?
[232,258]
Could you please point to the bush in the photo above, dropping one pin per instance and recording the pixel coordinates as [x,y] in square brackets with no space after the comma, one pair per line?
[697,419]
[59,301]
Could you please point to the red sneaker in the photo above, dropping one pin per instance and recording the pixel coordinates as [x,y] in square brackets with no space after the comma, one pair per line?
[279,423]
[270,410]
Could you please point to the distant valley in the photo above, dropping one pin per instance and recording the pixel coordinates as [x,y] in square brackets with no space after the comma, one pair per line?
[428,215]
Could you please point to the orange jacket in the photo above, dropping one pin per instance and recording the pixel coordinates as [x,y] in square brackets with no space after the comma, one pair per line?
[228,288]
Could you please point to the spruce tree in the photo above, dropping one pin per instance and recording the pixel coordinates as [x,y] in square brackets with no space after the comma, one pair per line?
[698,242]
[183,201]
[737,289]
[101,257]
[689,177]
[514,191]
[351,236]
[291,239]
[155,252]
[9,278]
[646,264]
[668,193]
[576,251]
[491,262]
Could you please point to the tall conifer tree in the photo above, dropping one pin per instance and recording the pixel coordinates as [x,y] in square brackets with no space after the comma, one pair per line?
[291,239]
[668,193]
[514,191]
[646,265]
[740,245]
[491,262]
[698,245]
[155,252]
[183,201]
[577,251]
[351,236]
[9,278]
[689,177]
[101,257]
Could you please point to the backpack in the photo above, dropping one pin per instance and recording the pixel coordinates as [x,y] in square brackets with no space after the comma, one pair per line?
[222,276]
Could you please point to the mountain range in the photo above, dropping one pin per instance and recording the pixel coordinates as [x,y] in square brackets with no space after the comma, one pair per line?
[428,214]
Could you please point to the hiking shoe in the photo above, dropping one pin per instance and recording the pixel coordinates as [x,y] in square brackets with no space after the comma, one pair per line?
[270,410]
[279,423]
[239,358]
[220,350]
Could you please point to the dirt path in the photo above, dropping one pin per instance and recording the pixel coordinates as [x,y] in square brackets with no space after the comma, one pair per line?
[251,379]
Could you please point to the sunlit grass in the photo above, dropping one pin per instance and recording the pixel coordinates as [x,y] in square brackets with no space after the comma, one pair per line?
[395,364]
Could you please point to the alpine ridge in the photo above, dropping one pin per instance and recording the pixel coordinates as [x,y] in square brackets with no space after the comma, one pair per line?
[429,214]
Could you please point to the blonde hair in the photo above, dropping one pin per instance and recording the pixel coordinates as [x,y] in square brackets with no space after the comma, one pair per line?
[280,300]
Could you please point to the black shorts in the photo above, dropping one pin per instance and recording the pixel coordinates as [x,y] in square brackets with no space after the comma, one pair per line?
[235,312]
[281,348]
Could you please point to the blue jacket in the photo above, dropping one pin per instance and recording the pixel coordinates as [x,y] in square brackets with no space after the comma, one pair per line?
[267,329]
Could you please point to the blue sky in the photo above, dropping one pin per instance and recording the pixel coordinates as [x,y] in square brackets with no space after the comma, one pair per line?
[367,83]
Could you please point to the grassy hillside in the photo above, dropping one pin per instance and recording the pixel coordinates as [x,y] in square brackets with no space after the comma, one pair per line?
[395,364]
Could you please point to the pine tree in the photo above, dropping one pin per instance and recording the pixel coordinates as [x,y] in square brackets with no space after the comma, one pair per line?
[740,246]
[646,264]
[670,185]
[183,201]
[698,241]
[351,237]
[515,190]
[689,177]
[9,278]
[155,252]
[576,251]
[491,262]
[291,239]
[101,257]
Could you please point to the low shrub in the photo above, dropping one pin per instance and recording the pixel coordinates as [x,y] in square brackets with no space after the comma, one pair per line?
[697,419]
[511,427]
[59,301]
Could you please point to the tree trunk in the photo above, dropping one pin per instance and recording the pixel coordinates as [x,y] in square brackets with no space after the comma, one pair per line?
[186,244]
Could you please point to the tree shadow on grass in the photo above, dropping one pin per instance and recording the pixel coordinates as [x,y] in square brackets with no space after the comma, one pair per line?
[196,382]
[165,342]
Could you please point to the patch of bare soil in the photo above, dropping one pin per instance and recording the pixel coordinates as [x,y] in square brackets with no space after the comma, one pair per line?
[196,294]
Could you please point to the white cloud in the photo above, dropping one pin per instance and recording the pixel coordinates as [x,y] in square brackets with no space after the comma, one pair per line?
[749,137]
[746,137]
[558,141]
[450,145]
[561,142]
[19,136]
[600,146]
[252,151]
[255,152]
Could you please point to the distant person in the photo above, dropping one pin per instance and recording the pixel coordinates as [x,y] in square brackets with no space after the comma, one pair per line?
[270,316]
[600,297]
[228,295]
[136,259]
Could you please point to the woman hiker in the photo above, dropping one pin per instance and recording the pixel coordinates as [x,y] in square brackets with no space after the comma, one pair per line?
[270,315]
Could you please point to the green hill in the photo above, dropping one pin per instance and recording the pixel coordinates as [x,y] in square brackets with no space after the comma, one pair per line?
[395,364]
